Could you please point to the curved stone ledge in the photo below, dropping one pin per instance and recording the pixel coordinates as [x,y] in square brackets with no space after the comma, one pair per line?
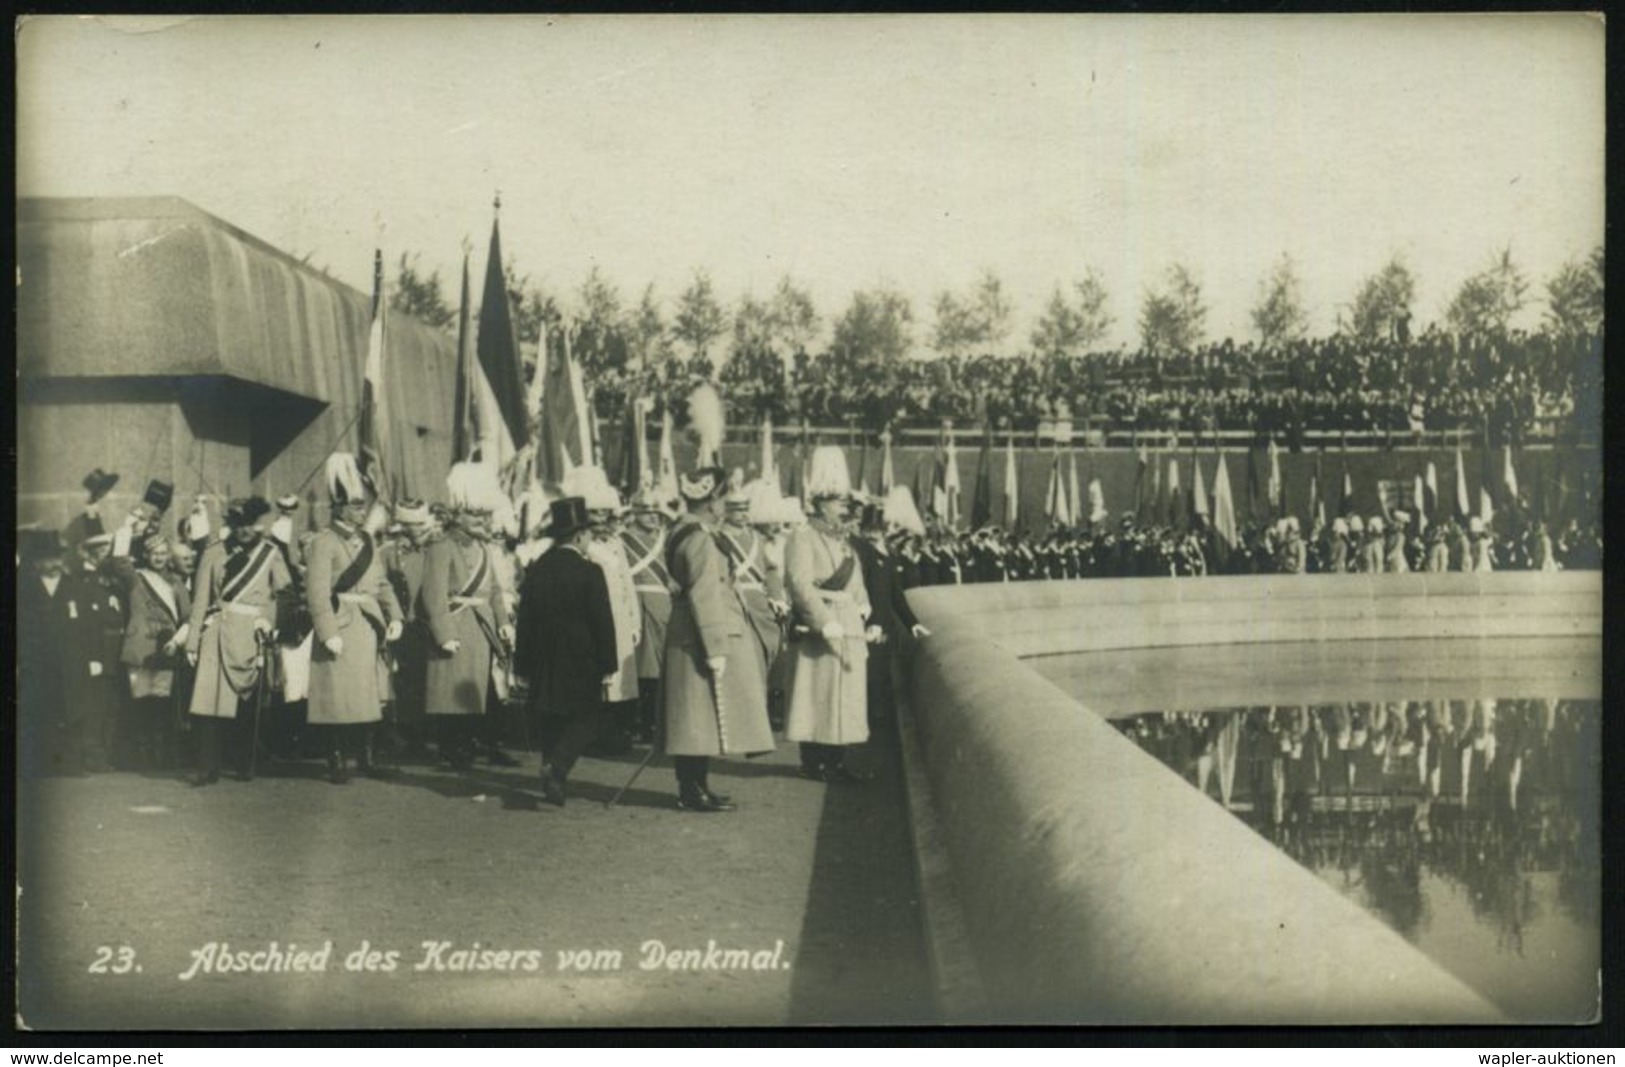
[1083,904]
[1049,618]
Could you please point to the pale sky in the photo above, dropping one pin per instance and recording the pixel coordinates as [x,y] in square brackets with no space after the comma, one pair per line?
[849,151]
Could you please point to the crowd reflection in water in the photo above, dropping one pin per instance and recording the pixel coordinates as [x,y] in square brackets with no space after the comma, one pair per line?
[1482,794]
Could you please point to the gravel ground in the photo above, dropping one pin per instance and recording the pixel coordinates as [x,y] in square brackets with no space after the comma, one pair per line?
[125,877]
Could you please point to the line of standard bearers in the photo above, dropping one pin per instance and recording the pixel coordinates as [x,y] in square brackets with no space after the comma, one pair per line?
[701,633]
[420,611]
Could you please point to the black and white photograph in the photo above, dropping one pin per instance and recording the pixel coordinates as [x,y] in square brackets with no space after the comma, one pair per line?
[588,521]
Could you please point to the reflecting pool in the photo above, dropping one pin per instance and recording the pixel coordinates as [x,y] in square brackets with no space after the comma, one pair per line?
[1469,826]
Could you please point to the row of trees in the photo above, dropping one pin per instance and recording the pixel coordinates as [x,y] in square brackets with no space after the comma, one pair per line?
[878,324]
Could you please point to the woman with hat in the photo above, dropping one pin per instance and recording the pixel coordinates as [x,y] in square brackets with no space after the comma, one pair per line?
[829,707]
[88,523]
[714,700]
[566,646]
[465,612]
[233,610]
[353,614]
[155,632]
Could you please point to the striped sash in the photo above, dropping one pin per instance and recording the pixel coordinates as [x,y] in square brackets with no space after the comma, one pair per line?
[243,568]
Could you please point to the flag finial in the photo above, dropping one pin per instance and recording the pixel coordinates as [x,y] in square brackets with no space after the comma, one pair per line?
[496,201]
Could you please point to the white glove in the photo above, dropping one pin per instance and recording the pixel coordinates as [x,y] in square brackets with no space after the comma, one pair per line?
[874,635]
[452,647]
[191,658]
[716,665]
[393,631]
[506,633]
[262,625]
[169,648]
[919,630]
[335,645]
[832,631]
[95,669]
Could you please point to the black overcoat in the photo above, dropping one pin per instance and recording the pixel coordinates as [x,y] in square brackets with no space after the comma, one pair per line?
[565,640]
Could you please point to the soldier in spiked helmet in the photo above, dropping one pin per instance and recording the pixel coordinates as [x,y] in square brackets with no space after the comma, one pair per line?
[714,696]
[828,674]
[354,614]
[465,612]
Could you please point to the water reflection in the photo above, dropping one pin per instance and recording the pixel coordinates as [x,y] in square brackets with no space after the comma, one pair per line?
[1471,827]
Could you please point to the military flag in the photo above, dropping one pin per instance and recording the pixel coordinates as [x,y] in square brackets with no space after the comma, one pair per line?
[1199,506]
[1072,486]
[1257,492]
[1012,484]
[1463,508]
[981,501]
[498,390]
[1277,487]
[1176,498]
[666,475]
[375,427]
[1430,492]
[770,467]
[465,428]
[1097,503]
[951,491]
[1225,534]
[635,472]
[1509,477]
[1142,481]
[1055,502]
[888,477]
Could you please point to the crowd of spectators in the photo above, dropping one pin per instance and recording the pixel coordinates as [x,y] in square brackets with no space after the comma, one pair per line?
[1133,549]
[1507,388]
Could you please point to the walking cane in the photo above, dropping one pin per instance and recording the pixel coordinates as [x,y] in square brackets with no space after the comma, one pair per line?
[263,640]
[648,759]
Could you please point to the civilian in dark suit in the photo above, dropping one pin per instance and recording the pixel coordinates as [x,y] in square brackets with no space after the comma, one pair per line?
[889,610]
[43,627]
[565,644]
[90,659]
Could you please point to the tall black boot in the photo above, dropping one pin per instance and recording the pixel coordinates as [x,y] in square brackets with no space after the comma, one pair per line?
[207,729]
[722,801]
[691,792]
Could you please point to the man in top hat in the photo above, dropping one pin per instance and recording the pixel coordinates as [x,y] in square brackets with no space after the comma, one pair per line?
[43,636]
[713,696]
[891,611]
[566,644]
[644,540]
[144,519]
[95,606]
[829,707]
[233,612]
[470,632]
[604,547]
